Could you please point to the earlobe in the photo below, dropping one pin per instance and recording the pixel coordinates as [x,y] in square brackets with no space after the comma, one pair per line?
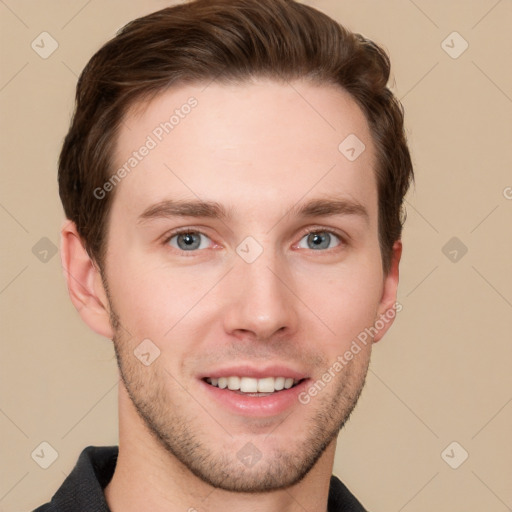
[388,306]
[84,282]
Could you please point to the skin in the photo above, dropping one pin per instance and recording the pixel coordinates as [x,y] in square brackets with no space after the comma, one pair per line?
[258,149]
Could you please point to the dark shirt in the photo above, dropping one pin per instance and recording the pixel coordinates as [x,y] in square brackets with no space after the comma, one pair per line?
[82,491]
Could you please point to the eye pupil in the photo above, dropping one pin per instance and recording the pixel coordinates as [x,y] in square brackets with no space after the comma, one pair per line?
[188,241]
[320,240]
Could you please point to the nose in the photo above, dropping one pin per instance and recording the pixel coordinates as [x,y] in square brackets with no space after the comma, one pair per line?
[261,303]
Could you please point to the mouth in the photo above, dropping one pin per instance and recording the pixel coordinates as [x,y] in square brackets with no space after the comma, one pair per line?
[253,387]
[245,390]
[255,397]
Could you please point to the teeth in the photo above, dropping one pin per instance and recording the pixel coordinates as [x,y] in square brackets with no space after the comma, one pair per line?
[248,385]
[251,385]
[266,385]
[279,383]
[233,383]
[288,383]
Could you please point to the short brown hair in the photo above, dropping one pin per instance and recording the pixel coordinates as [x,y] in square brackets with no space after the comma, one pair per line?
[228,41]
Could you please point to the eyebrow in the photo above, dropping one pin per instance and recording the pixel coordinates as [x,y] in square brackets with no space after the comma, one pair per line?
[211,209]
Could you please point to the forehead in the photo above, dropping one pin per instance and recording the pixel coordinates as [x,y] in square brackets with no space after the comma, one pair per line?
[248,145]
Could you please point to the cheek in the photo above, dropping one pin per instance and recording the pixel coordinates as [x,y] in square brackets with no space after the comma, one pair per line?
[151,297]
[345,299]
[147,305]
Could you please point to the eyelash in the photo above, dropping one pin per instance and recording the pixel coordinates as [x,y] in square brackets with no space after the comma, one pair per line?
[308,231]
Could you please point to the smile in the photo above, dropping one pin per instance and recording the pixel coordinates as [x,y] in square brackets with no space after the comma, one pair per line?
[262,387]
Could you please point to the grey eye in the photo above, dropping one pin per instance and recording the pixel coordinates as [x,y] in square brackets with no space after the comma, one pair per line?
[188,241]
[319,240]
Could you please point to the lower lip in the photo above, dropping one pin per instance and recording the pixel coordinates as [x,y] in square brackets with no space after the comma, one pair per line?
[256,406]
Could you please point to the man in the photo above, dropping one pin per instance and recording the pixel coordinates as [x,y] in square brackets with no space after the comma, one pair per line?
[233,181]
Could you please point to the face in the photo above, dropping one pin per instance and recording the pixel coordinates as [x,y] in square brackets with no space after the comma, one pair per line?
[272,271]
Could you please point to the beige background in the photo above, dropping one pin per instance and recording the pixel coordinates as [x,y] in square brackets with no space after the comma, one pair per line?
[442,374]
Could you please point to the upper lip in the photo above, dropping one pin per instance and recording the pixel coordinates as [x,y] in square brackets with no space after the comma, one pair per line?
[255,373]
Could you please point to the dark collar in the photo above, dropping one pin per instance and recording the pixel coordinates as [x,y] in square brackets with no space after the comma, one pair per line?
[83,488]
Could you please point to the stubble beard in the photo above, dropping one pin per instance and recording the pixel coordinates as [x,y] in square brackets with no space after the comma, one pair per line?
[187,440]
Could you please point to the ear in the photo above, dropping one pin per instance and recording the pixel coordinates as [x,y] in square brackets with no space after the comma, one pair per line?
[388,308]
[84,281]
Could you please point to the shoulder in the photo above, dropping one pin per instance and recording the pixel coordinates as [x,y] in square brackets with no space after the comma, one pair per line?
[83,488]
[341,499]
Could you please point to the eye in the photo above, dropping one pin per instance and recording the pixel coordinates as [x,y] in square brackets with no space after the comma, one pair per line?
[317,240]
[188,240]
